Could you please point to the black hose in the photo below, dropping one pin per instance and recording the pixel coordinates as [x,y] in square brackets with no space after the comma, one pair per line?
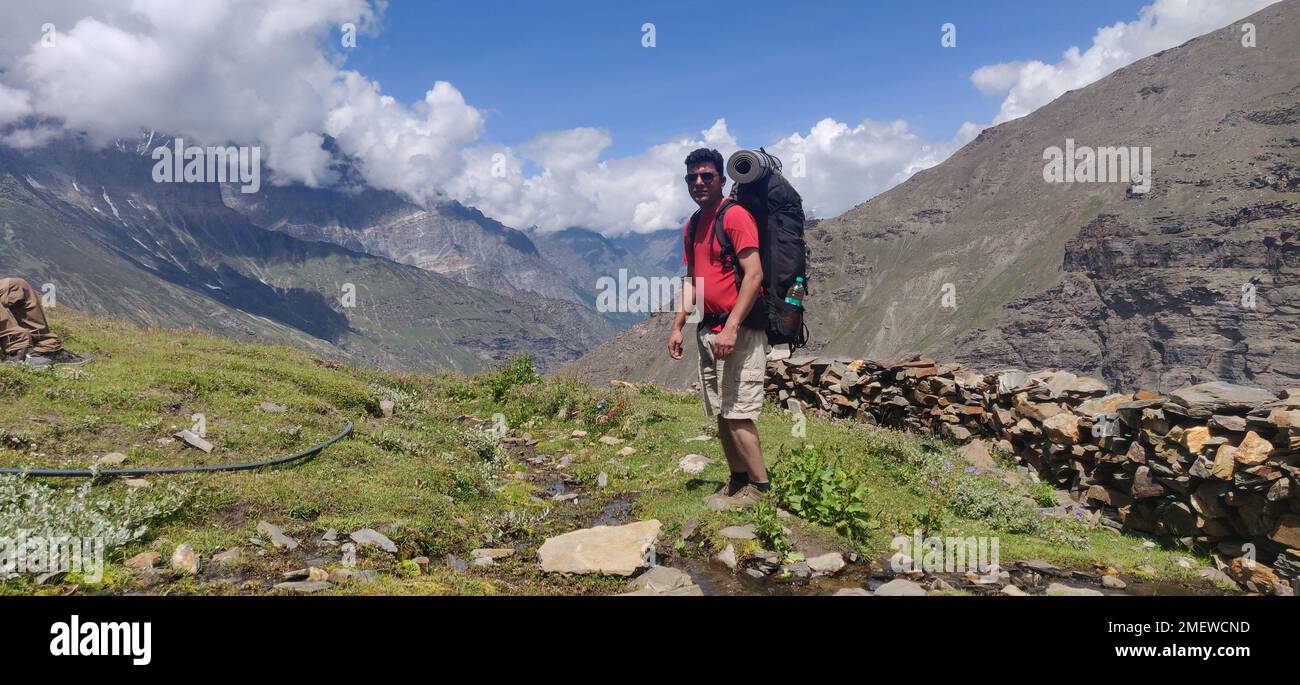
[154,470]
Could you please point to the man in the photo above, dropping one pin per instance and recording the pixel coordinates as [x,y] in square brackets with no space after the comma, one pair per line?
[733,357]
[24,335]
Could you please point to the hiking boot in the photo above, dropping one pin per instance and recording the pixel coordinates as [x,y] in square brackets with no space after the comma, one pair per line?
[718,501]
[33,360]
[16,357]
[746,497]
[743,498]
[67,358]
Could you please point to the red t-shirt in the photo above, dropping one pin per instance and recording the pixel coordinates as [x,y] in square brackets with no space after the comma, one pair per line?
[720,291]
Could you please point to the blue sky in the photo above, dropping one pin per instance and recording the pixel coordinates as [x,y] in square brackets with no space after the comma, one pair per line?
[534,67]
[552,114]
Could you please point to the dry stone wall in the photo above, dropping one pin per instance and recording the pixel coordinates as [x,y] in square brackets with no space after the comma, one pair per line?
[1213,465]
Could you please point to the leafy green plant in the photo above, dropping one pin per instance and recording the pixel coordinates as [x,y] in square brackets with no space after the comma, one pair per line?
[821,489]
[1043,493]
[519,371]
[767,526]
[32,509]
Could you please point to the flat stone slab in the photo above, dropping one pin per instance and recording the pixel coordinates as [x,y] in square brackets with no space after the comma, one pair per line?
[371,537]
[745,532]
[613,550]
[1219,396]
[900,587]
[276,535]
[304,586]
[1062,590]
[194,440]
[493,553]
[693,463]
[660,579]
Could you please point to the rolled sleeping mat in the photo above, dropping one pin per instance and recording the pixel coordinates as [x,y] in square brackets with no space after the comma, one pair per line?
[747,166]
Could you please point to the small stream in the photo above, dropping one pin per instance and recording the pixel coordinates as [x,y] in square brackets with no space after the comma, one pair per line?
[715,579]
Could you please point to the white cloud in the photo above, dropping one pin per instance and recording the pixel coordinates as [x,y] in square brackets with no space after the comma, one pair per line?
[249,71]
[1159,26]
[641,192]
[14,104]
[847,165]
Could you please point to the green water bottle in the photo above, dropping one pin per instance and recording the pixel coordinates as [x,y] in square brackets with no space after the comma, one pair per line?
[797,292]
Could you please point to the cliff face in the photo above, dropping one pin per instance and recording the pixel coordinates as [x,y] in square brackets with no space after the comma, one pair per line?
[983,261]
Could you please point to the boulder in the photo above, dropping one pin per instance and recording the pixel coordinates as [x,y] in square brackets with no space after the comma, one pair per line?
[1287,531]
[977,454]
[727,557]
[829,563]
[1145,485]
[1194,438]
[1253,450]
[1062,429]
[184,560]
[142,561]
[614,550]
[1224,462]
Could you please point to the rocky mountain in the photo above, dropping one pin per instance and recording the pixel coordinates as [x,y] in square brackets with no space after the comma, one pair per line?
[448,238]
[982,260]
[110,240]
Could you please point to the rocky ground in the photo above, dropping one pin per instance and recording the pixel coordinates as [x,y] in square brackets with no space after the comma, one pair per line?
[504,483]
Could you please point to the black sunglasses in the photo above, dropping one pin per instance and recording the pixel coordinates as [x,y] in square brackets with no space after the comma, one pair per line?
[706,177]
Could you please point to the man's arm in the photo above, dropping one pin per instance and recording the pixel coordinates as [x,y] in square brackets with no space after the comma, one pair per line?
[684,308]
[752,266]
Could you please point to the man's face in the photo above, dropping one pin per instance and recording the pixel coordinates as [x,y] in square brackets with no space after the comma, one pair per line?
[704,192]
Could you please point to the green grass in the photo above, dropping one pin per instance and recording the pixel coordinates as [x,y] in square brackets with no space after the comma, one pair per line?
[430,479]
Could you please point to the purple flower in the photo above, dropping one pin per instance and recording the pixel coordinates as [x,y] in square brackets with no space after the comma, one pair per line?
[972,469]
[947,465]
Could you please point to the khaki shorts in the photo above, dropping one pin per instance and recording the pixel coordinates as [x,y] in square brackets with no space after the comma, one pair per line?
[733,387]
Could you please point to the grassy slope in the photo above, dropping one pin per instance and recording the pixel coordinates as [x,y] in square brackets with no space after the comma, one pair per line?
[418,476]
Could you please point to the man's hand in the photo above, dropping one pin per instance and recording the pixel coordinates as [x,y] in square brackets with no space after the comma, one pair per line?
[675,344]
[725,342]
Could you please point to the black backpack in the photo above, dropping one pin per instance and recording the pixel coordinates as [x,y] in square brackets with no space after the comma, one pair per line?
[778,211]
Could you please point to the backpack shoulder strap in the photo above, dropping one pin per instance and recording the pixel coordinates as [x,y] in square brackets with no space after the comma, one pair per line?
[690,241]
[729,258]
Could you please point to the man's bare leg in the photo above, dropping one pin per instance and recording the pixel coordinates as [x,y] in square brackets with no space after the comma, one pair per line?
[734,459]
[744,436]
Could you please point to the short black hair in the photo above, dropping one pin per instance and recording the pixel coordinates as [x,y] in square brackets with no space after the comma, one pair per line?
[703,155]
